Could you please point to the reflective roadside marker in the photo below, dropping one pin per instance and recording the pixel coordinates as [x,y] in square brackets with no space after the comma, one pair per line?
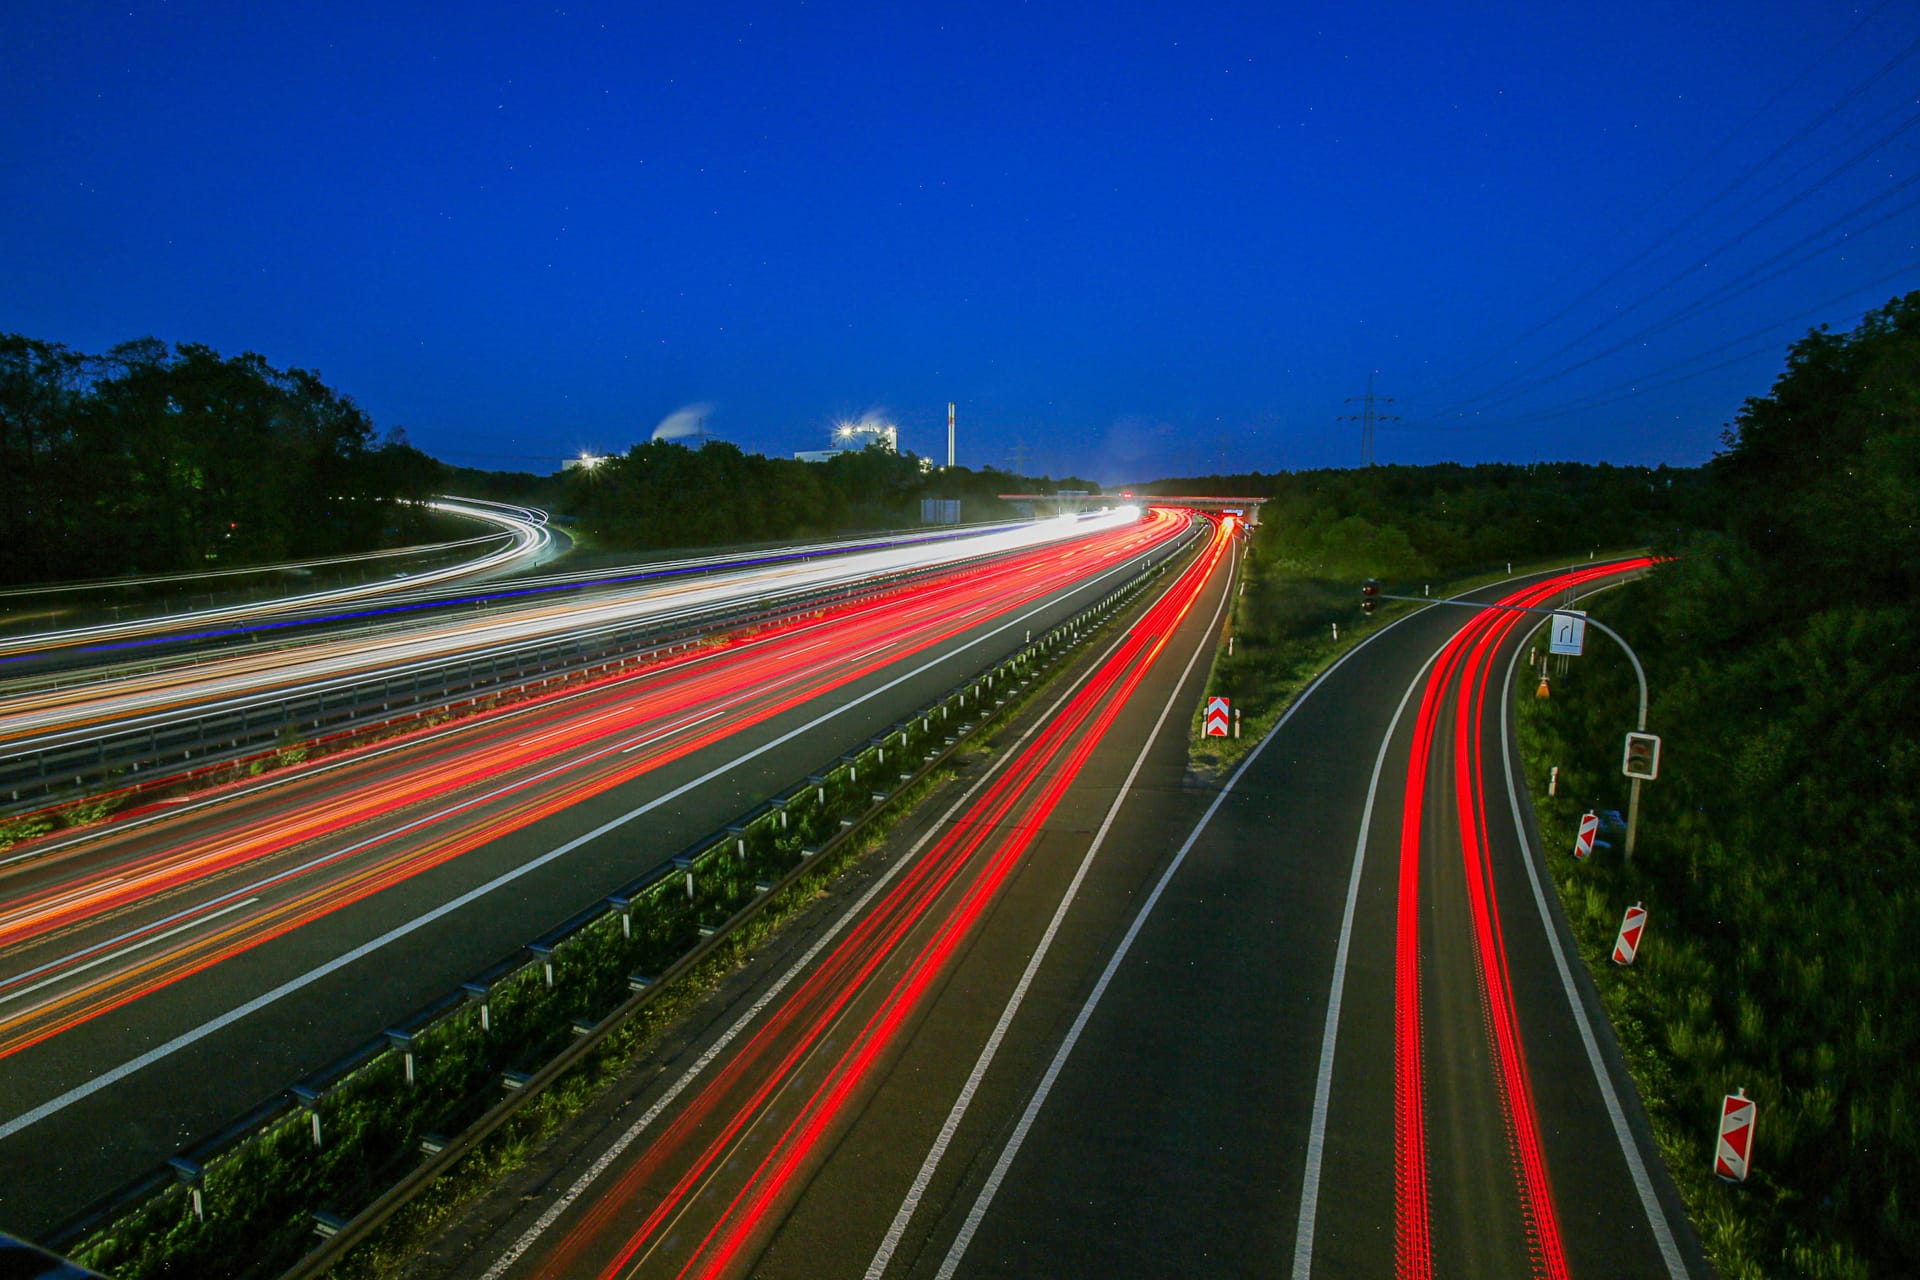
[1736,1137]
[1583,841]
[1218,715]
[1632,925]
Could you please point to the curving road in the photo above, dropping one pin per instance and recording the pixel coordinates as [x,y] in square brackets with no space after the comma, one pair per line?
[50,717]
[527,542]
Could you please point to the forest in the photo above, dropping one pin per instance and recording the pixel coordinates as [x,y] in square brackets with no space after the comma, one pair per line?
[1778,858]
[152,459]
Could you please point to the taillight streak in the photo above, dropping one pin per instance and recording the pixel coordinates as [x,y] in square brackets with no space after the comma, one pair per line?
[764,672]
[1075,730]
[1457,686]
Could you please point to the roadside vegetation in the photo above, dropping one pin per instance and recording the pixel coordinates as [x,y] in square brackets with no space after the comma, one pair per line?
[149,460]
[1777,853]
[1447,527]
[664,494]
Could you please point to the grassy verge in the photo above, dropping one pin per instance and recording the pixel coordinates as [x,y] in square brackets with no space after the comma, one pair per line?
[1775,958]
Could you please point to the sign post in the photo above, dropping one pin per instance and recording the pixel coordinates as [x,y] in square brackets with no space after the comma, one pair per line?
[1569,634]
[1640,761]
[1219,711]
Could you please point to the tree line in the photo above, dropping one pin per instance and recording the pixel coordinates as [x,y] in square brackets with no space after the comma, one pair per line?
[152,459]
[1403,524]
[666,494]
[1779,859]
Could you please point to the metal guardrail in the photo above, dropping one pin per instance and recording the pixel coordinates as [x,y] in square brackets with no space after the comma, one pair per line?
[523,1023]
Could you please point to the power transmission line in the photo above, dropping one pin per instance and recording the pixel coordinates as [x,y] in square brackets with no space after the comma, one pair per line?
[1738,181]
[1506,389]
[1744,283]
[1635,386]
[1367,418]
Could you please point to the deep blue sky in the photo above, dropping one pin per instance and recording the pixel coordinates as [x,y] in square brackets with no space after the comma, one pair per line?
[1140,240]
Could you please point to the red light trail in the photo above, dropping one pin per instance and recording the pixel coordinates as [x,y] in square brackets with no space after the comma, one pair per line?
[735,1150]
[1456,692]
[498,776]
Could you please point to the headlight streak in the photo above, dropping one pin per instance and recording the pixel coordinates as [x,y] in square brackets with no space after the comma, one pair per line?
[155,700]
[605,735]
[526,528]
[1000,825]
[521,588]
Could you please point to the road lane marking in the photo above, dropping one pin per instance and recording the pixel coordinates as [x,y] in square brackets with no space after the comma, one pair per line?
[1323,1080]
[890,1242]
[144,942]
[1629,1148]
[186,1039]
[1019,1135]
[47,905]
[647,739]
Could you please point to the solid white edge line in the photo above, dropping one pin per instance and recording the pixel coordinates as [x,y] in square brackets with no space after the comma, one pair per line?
[585,1181]
[185,1039]
[896,1230]
[999,1173]
[1323,1081]
[1629,1148]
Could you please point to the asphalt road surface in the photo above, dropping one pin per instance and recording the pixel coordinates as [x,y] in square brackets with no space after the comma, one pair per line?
[162,976]
[1323,1022]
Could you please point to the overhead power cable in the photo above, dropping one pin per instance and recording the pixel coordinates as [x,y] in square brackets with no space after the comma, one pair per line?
[1745,283]
[1501,390]
[1740,131]
[1635,386]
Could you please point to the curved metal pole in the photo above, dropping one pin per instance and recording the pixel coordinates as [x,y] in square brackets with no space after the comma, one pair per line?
[1632,657]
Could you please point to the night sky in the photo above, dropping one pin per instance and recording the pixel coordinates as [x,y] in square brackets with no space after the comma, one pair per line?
[1141,241]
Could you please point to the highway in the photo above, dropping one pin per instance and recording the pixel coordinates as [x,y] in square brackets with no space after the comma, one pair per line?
[1382,1063]
[1094,1020]
[148,702]
[162,974]
[856,1023]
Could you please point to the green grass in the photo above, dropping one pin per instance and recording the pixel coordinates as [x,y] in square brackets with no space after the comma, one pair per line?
[1779,954]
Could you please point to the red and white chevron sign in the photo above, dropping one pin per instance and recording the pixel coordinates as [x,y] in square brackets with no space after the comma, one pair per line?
[1583,842]
[1736,1137]
[1219,717]
[1632,925]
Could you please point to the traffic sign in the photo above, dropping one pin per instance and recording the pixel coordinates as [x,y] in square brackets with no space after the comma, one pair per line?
[1569,633]
[1736,1137]
[1641,758]
[1219,716]
[1632,925]
[1583,842]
